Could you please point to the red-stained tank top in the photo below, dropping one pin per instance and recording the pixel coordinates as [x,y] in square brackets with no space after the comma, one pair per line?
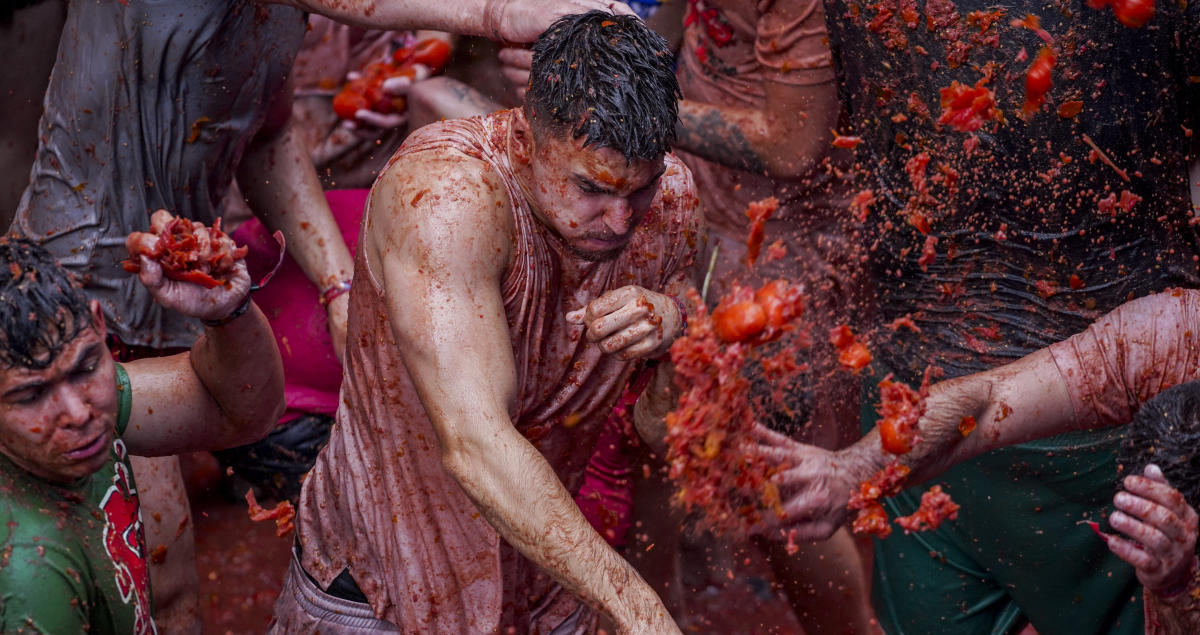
[379,501]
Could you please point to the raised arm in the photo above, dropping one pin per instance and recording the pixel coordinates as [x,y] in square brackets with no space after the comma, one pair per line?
[793,131]
[507,20]
[440,236]
[226,391]
[283,190]
[1094,379]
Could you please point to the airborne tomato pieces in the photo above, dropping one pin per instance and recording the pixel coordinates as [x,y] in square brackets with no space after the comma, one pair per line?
[283,514]
[1038,81]
[900,408]
[761,317]
[187,251]
[936,508]
[851,353]
[968,108]
[871,517]
[758,212]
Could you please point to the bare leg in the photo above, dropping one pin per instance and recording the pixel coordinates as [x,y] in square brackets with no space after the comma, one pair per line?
[32,38]
[171,544]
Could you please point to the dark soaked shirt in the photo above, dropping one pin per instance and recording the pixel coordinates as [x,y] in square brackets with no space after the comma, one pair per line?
[1032,239]
[151,104]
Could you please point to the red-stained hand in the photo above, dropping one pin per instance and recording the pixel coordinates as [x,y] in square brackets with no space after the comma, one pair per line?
[524,20]
[1159,528]
[514,65]
[193,299]
[815,484]
[631,322]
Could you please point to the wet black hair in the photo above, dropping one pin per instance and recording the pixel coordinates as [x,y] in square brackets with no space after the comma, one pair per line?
[608,78]
[1166,432]
[42,307]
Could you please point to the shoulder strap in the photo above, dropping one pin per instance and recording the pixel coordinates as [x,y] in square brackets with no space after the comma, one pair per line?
[125,399]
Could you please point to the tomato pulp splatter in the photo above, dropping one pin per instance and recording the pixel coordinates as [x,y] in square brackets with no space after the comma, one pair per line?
[187,251]
[283,513]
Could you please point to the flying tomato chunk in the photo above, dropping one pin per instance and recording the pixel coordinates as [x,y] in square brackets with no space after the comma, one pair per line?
[1038,80]
[740,321]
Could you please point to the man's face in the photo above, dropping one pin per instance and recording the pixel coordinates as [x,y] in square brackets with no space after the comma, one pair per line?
[58,423]
[591,197]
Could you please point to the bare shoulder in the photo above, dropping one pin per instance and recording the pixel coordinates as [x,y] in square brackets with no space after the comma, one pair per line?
[439,202]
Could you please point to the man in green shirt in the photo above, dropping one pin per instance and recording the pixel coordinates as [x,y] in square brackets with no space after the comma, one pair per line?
[72,555]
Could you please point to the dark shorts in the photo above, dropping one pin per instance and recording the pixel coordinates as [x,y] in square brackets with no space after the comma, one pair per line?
[277,464]
[1018,552]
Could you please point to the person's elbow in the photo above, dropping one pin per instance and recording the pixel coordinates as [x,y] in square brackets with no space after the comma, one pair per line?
[260,405]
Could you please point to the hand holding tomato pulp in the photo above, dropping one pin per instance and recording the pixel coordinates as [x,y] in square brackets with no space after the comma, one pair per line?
[187,251]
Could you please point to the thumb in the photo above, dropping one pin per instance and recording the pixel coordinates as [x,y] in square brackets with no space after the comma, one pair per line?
[576,316]
[151,274]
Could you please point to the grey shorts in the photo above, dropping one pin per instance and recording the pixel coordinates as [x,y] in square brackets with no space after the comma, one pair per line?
[303,607]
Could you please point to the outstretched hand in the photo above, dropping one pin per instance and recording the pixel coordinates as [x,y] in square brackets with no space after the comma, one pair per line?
[524,20]
[631,322]
[1159,527]
[815,484]
[192,299]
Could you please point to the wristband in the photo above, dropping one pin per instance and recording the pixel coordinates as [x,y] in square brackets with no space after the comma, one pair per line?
[1178,589]
[233,315]
[330,293]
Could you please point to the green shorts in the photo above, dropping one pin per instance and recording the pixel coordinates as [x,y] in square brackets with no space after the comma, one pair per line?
[1019,551]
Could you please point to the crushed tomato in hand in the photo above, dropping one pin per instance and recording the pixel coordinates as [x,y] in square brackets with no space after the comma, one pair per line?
[187,251]
[283,514]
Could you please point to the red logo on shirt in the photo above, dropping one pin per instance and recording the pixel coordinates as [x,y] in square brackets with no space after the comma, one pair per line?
[123,541]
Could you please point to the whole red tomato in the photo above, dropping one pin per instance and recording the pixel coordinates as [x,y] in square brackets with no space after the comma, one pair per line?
[431,52]
[740,321]
[893,440]
[778,300]
[1133,13]
[349,101]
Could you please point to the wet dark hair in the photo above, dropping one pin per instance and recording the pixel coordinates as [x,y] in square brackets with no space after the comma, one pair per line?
[608,78]
[42,307]
[1166,432]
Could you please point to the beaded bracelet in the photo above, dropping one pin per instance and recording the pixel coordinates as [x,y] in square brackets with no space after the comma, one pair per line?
[330,293]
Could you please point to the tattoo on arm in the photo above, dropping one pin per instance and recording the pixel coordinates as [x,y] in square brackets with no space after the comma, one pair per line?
[708,134]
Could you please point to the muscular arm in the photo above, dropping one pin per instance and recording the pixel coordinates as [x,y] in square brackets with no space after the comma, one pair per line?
[508,20]
[792,132]
[227,391]
[440,237]
[1094,379]
[772,141]
[279,182]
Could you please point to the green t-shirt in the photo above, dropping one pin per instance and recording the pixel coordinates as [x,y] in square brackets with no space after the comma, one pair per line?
[73,558]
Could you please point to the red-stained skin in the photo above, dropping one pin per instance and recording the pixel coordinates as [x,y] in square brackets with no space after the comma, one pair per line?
[58,423]
[592,198]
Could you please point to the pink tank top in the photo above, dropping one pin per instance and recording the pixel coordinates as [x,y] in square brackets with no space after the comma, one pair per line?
[379,501]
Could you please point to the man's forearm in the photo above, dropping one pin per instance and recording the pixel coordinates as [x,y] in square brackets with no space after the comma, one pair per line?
[281,185]
[723,135]
[239,365]
[462,16]
[521,496]
[1010,404]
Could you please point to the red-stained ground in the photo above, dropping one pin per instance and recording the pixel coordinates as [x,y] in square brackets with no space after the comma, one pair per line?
[241,563]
